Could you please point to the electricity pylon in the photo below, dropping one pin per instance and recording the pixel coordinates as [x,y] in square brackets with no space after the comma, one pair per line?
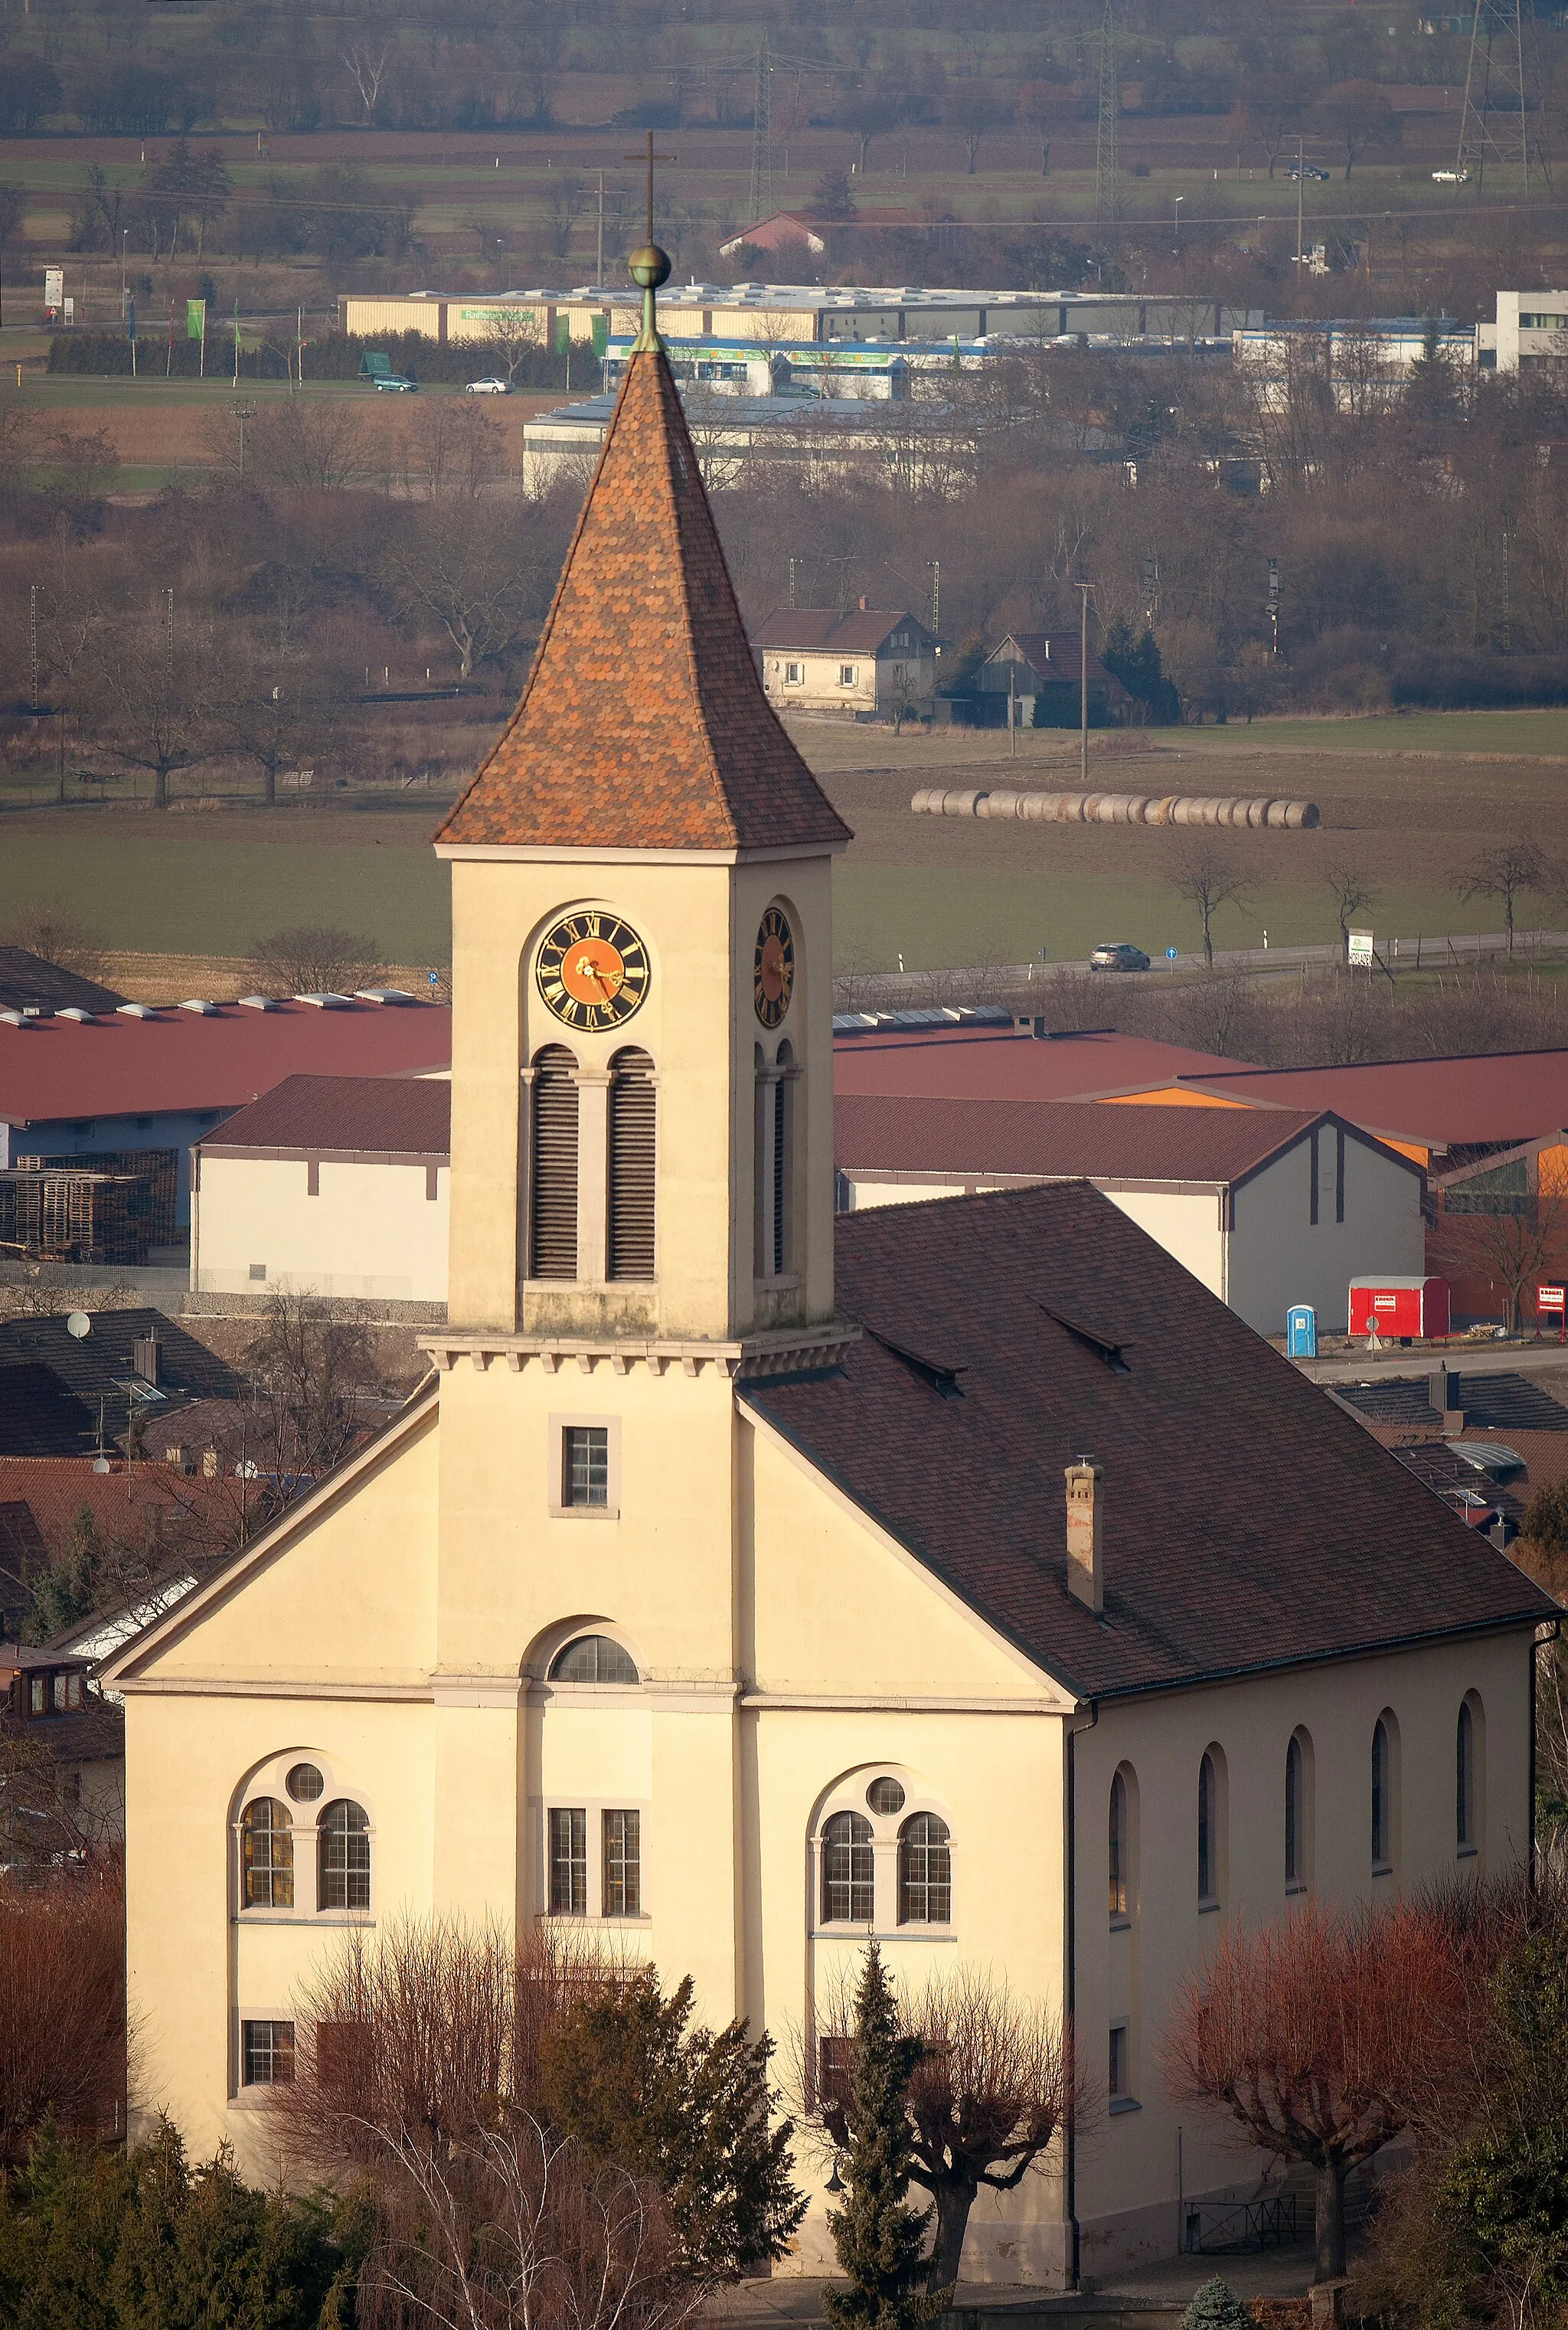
[1503,121]
[1107,192]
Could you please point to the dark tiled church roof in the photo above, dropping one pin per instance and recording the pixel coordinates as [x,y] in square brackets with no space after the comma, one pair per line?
[1250,1522]
[644,724]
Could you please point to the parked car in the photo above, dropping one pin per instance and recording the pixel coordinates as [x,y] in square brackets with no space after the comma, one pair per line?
[491,387]
[1311,171]
[395,382]
[1450,178]
[1118,956]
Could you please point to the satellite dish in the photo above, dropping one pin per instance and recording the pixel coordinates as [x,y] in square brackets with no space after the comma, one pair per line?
[79,1324]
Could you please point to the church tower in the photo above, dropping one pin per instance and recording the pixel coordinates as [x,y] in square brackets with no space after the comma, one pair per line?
[642,1068]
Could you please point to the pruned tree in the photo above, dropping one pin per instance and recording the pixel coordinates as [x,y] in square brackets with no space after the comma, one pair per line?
[154,698]
[1207,875]
[62,2030]
[1324,2035]
[1507,873]
[878,2236]
[991,2089]
[276,709]
[1352,894]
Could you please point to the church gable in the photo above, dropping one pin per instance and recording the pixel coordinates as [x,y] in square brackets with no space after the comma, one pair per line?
[340,1590]
[839,1607]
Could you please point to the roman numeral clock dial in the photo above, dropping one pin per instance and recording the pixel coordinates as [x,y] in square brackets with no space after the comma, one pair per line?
[592,970]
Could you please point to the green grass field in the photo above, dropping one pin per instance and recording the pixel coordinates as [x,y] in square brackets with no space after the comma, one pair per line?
[192,895]
[1532,733]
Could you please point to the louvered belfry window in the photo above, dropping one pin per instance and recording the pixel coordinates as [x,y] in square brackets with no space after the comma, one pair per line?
[632,1127]
[553,1179]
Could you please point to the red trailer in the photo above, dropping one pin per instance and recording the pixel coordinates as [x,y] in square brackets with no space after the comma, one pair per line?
[1401,1307]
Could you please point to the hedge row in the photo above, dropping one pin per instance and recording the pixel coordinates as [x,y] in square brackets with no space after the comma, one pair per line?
[338,357]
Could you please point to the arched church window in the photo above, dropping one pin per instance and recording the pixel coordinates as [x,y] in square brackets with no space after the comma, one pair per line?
[1118,1843]
[553,1166]
[593,1658]
[925,1871]
[343,1857]
[632,1125]
[848,1870]
[267,1855]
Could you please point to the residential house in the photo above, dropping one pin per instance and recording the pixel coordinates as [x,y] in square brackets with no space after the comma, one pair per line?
[872,663]
[1035,678]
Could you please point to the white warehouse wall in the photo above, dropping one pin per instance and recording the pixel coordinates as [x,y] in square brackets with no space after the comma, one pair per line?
[371,1231]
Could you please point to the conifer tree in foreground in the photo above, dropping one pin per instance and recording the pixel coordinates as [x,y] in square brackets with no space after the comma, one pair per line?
[879,2238]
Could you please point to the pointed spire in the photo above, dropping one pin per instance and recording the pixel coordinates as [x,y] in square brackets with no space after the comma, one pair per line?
[644,724]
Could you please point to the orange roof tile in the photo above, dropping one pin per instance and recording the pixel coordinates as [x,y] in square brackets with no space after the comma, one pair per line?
[644,724]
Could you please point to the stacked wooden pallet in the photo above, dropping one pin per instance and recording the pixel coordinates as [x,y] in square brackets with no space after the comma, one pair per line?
[75,1214]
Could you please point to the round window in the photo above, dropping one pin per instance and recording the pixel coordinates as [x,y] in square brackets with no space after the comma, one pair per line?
[886,1796]
[305,1783]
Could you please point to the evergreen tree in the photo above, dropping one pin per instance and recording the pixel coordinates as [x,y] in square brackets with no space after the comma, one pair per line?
[1136,664]
[879,2238]
[1216,2306]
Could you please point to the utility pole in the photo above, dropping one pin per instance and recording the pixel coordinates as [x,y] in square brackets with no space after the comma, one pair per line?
[761,188]
[1274,605]
[32,643]
[1084,590]
[1301,191]
[598,264]
[936,566]
[169,597]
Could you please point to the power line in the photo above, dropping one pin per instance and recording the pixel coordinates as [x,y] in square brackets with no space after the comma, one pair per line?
[1502,90]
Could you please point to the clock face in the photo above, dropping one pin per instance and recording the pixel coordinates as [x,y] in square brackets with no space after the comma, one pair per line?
[592,970]
[773,970]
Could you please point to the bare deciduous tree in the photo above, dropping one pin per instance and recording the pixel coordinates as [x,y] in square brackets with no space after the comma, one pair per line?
[50,930]
[366,69]
[1352,894]
[315,959]
[1505,874]
[1324,2035]
[1511,1239]
[62,2030]
[1208,875]
[460,569]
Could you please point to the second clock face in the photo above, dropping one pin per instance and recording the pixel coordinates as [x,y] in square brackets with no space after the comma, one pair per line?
[773,968]
[592,970]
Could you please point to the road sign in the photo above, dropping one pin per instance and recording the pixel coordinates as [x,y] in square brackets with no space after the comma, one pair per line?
[1360,947]
[435,979]
[1170,954]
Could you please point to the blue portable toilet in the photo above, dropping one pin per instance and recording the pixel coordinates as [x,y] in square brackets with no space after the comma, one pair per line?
[1301,1331]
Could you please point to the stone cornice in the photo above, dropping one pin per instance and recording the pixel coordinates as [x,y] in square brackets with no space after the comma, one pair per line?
[783,1350]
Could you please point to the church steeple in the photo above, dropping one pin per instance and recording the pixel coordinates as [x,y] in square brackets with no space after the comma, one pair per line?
[642,1070]
[644,724]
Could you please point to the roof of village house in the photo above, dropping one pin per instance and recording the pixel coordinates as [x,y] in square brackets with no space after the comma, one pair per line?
[1499,1097]
[53,1070]
[1002,1064]
[1498,1399]
[54,1386]
[1034,649]
[827,630]
[27,979]
[1006,1335]
[1209,1145]
[375,1115]
[644,724]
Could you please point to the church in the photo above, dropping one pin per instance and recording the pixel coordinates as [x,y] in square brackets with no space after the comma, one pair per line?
[745,1583]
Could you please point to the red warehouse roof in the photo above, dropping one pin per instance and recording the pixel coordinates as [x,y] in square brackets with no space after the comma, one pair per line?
[1444,1104]
[53,1069]
[988,1064]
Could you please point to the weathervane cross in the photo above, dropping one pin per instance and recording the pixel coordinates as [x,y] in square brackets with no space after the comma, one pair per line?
[650,158]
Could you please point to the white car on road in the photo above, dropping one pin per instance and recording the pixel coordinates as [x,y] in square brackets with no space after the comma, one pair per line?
[489,388]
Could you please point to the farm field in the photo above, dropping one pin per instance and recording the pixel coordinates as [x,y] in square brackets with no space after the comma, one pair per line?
[939,891]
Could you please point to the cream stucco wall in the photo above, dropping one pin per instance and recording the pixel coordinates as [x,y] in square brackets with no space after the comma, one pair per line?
[371,1229]
[1126,2180]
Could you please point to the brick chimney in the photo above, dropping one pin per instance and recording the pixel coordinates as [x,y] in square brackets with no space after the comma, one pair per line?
[1086,1530]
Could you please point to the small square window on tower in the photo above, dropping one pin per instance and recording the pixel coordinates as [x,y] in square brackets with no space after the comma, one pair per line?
[585,1467]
